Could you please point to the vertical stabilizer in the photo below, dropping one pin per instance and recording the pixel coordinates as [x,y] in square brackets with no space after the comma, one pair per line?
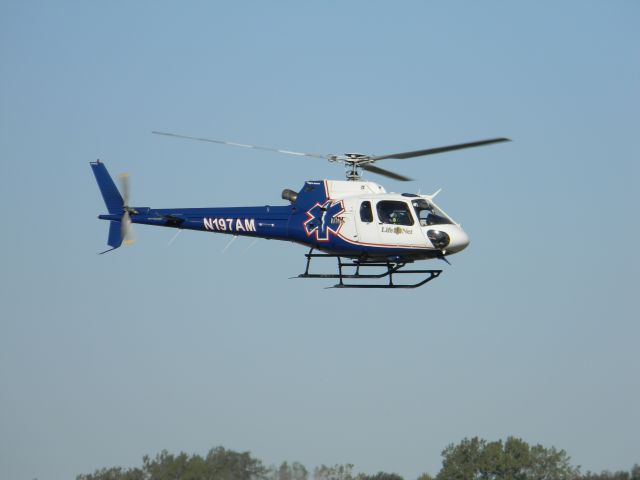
[113,201]
[110,194]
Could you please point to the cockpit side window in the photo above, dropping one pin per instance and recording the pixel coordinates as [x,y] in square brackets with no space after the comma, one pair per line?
[366,214]
[428,213]
[394,212]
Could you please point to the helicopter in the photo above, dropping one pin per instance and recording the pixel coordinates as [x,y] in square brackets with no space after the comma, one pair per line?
[373,234]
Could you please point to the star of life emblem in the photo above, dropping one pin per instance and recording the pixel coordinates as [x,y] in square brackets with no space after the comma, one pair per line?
[324,220]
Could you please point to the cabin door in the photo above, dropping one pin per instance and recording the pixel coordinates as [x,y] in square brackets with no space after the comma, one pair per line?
[368,231]
[397,225]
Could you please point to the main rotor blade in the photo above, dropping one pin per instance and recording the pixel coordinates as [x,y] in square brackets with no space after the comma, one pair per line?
[386,173]
[255,147]
[448,148]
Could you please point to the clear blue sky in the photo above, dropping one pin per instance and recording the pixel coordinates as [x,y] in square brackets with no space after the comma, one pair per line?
[533,331]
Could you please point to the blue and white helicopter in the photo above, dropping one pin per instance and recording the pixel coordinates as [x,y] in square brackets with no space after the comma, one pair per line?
[357,222]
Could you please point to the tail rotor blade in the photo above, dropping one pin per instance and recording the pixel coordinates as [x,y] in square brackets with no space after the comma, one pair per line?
[123,179]
[126,229]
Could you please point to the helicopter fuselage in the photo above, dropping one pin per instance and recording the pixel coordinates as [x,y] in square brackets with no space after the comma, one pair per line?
[354,219]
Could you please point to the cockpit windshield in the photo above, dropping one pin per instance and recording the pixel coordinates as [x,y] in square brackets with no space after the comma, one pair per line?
[428,213]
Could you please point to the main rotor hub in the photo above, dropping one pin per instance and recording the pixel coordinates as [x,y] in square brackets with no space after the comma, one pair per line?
[356,156]
[352,170]
[354,161]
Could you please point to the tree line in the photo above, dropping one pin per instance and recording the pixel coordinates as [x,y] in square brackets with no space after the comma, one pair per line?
[471,459]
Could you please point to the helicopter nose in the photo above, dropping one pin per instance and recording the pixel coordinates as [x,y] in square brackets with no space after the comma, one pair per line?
[459,240]
[447,238]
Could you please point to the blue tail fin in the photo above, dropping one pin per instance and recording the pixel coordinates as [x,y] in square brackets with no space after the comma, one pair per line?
[115,234]
[113,201]
[110,194]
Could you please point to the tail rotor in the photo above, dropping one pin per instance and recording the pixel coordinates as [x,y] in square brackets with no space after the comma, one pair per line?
[126,227]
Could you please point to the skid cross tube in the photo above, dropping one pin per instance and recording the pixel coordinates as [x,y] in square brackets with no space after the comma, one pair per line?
[391,269]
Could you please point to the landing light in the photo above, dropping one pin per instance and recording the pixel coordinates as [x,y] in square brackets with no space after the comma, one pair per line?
[439,239]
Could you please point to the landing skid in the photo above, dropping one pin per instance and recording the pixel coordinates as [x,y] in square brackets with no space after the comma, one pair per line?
[392,268]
